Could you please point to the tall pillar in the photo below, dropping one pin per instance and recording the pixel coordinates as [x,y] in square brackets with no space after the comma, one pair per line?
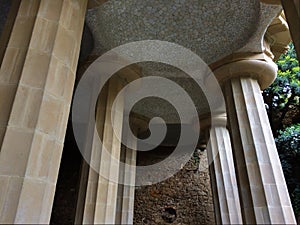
[126,190]
[98,194]
[13,53]
[106,201]
[37,78]
[264,195]
[222,171]
[126,187]
[98,206]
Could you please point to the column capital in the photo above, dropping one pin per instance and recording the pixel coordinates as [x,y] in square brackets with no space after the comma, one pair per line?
[218,120]
[258,66]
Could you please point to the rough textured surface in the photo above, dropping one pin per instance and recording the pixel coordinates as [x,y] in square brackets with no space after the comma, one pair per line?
[211,29]
[266,15]
[197,25]
[188,192]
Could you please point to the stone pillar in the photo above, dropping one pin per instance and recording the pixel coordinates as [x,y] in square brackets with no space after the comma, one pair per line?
[13,53]
[127,185]
[36,85]
[264,195]
[98,196]
[106,201]
[98,204]
[86,202]
[222,171]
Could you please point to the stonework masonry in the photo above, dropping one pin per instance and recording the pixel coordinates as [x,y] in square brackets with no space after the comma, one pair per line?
[36,83]
[39,51]
[188,192]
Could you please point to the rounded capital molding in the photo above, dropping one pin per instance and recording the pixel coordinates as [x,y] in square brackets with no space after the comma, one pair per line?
[218,120]
[264,70]
[278,36]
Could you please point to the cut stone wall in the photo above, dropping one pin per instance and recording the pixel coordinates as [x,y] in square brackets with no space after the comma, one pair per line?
[187,193]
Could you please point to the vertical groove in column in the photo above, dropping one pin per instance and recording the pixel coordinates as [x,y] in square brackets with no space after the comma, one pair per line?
[227,202]
[129,185]
[267,193]
[240,163]
[214,189]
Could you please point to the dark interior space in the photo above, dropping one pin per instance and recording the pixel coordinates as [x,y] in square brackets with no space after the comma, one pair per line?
[64,206]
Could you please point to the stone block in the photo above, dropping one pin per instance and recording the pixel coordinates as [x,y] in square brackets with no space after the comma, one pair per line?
[44,34]
[10,188]
[35,69]
[12,65]
[26,107]
[15,151]
[51,112]
[50,10]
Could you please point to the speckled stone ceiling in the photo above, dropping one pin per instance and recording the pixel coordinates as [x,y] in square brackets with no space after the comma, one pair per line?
[212,29]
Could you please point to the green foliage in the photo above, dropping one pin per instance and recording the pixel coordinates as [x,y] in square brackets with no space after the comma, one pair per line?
[288,145]
[282,97]
[282,103]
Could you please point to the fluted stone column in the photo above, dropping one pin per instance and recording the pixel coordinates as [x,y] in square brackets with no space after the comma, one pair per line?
[98,192]
[36,84]
[97,205]
[222,172]
[105,208]
[126,187]
[13,53]
[264,195]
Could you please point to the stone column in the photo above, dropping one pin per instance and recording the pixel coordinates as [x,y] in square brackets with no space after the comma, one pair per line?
[13,53]
[264,195]
[127,184]
[106,201]
[222,172]
[86,202]
[96,192]
[97,201]
[36,79]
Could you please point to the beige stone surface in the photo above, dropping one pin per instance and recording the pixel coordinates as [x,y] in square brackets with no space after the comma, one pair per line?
[222,172]
[263,191]
[14,54]
[35,122]
[98,194]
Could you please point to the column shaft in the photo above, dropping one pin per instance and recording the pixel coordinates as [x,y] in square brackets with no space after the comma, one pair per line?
[263,191]
[90,188]
[225,191]
[127,187]
[37,77]
[106,203]
[13,54]
[97,203]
